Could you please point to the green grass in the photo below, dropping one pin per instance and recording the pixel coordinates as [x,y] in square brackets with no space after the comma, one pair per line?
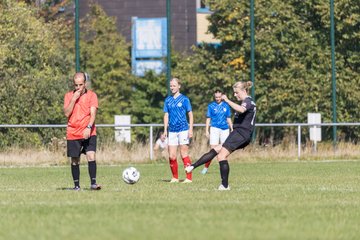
[300,200]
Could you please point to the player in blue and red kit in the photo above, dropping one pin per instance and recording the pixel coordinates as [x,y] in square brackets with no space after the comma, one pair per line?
[177,128]
[240,137]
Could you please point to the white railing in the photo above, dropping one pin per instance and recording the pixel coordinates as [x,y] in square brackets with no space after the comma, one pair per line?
[151,127]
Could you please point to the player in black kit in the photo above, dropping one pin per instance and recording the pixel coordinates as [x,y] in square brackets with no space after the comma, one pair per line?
[240,137]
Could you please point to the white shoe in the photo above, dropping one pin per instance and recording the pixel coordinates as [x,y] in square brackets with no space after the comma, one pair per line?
[174,180]
[187,181]
[204,171]
[222,188]
[189,169]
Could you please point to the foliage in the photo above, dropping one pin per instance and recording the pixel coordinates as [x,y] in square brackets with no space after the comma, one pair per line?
[105,56]
[147,101]
[293,61]
[292,68]
[48,9]
[32,69]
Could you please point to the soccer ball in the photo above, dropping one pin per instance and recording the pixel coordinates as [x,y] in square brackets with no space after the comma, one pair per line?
[131,175]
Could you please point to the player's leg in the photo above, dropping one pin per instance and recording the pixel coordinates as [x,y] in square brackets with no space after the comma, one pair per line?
[75,172]
[90,151]
[184,152]
[207,165]
[224,169]
[173,143]
[184,142]
[74,151]
[233,142]
[204,159]
[214,141]
[224,166]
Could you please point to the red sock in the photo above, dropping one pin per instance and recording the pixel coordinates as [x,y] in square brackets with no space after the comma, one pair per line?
[174,168]
[207,164]
[187,162]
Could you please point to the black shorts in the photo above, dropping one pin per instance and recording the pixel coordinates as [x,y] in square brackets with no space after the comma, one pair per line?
[76,147]
[236,141]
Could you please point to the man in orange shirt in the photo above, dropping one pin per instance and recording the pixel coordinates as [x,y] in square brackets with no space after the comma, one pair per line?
[80,106]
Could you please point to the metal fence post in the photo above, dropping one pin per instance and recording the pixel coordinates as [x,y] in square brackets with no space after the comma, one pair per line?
[299,141]
[151,143]
[77,37]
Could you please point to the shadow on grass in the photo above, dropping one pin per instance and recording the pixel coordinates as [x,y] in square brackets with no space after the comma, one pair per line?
[168,180]
[75,190]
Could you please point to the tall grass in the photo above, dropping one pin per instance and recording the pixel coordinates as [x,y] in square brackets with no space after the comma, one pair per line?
[110,152]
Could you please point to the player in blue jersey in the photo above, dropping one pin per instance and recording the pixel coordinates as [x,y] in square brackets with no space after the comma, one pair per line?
[218,123]
[177,128]
[240,137]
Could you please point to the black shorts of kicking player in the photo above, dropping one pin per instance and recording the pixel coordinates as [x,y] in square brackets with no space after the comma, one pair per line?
[76,147]
[236,141]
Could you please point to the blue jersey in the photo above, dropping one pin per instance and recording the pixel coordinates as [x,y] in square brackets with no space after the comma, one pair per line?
[177,109]
[218,113]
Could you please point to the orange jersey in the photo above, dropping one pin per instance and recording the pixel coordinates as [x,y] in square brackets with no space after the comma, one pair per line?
[80,116]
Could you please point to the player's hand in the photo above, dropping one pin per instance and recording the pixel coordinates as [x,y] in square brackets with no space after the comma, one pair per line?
[225,98]
[77,94]
[207,134]
[86,133]
[190,133]
[165,134]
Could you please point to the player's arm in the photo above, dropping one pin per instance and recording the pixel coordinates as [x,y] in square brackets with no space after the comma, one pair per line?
[166,122]
[69,105]
[87,130]
[191,123]
[234,105]
[93,111]
[207,127]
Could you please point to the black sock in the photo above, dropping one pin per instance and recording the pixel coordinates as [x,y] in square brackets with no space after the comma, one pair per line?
[92,171]
[207,157]
[224,172]
[75,171]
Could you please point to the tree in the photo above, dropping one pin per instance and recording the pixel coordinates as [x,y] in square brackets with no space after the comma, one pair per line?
[32,69]
[293,64]
[105,56]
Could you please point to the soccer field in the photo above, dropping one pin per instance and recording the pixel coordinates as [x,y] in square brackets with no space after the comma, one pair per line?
[297,200]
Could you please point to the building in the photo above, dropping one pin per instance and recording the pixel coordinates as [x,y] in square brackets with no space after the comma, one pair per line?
[188,18]
[183,16]
[202,23]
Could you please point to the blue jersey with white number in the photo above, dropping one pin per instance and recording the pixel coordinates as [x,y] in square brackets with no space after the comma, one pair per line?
[177,109]
[218,114]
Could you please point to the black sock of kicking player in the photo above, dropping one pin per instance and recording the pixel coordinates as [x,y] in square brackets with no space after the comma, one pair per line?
[75,171]
[207,157]
[224,172]
[92,171]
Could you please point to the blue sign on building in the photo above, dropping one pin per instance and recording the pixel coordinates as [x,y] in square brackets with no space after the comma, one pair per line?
[149,45]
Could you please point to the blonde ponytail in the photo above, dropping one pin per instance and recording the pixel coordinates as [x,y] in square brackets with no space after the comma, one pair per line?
[243,85]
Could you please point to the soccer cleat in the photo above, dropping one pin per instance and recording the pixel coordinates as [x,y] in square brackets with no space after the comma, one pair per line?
[187,181]
[189,169]
[174,180]
[76,188]
[95,187]
[204,171]
[222,188]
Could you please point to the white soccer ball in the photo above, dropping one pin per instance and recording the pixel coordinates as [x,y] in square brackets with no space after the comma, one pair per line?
[131,175]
